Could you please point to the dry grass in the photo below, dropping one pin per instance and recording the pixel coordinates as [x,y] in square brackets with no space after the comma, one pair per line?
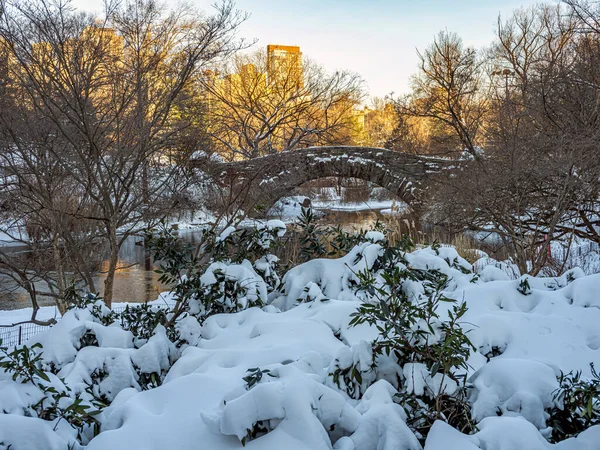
[406,225]
[397,227]
[467,247]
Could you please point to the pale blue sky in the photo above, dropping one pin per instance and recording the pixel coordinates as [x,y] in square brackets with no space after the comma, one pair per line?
[375,38]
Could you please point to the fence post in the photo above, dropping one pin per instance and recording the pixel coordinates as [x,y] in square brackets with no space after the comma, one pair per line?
[20,334]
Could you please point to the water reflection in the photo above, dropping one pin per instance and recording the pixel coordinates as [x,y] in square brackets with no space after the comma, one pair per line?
[135,279]
[351,220]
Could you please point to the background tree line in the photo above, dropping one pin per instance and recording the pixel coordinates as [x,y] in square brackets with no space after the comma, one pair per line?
[525,112]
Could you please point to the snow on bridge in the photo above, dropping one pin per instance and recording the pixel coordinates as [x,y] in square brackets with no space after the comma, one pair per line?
[263,181]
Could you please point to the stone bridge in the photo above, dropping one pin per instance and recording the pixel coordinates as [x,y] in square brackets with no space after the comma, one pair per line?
[258,183]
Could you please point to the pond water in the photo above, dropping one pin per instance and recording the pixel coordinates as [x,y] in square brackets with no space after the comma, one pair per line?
[136,281]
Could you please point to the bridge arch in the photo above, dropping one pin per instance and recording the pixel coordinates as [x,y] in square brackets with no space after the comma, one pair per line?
[265,180]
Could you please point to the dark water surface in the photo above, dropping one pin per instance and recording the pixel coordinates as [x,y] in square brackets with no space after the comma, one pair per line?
[136,280]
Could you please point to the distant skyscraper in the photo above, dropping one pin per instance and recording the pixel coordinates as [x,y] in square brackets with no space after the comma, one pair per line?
[284,65]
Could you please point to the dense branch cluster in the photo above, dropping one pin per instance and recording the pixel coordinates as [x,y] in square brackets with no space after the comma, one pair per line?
[526,110]
[253,111]
[93,121]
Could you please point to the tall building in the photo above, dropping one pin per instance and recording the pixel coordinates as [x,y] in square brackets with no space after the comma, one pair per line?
[284,65]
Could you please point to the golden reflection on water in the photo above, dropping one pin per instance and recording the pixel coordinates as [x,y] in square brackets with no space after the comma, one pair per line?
[136,281]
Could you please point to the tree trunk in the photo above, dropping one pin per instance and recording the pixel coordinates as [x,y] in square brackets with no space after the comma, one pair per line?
[112,266]
[145,186]
[60,273]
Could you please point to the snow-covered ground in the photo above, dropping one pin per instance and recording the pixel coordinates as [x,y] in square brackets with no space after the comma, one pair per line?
[23,314]
[8,317]
[525,333]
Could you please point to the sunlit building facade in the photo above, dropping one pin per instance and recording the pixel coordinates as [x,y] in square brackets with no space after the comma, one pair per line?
[284,65]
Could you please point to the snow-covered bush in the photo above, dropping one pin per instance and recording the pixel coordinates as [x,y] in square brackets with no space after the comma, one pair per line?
[140,319]
[425,342]
[508,387]
[578,404]
[287,398]
[48,398]
[74,370]
[373,350]
[230,272]
[227,288]
[245,243]
[354,369]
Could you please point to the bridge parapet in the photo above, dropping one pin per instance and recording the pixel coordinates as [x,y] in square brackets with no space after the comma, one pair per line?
[271,177]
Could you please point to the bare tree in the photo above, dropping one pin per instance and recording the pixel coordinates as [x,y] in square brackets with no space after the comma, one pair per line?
[521,196]
[448,91]
[539,178]
[552,54]
[588,12]
[254,111]
[108,90]
[43,208]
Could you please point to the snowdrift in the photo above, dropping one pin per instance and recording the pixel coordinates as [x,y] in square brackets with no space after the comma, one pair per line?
[525,333]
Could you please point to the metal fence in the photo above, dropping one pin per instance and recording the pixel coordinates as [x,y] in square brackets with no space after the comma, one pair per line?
[11,336]
[19,334]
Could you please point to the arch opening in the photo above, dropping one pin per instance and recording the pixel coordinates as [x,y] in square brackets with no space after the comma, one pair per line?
[340,196]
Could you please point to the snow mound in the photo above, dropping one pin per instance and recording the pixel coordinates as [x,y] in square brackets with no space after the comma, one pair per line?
[515,387]
[30,433]
[264,375]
